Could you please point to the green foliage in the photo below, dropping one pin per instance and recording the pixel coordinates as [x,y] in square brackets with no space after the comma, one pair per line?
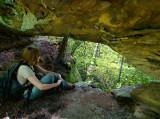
[82,55]
[7,1]
[104,69]
[73,76]
[118,85]
[69,64]
[53,39]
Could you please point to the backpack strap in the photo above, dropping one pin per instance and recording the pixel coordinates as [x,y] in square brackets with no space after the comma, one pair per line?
[19,64]
[25,63]
[33,69]
[30,86]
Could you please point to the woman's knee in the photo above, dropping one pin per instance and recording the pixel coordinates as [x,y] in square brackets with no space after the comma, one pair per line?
[48,78]
[49,75]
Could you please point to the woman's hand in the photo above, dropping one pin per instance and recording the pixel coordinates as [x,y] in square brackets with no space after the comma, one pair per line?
[59,82]
[59,77]
[42,86]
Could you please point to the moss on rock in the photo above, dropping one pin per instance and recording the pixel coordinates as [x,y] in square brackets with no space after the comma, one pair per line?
[73,76]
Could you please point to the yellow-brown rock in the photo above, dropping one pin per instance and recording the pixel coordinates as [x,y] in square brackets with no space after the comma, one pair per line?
[130,27]
[148,96]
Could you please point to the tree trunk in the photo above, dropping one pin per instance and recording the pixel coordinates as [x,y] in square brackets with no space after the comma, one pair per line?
[120,69]
[96,53]
[85,67]
[62,49]
[74,49]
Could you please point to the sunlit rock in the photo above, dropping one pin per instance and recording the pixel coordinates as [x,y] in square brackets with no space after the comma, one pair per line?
[148,98]
[130,27]
[123,94]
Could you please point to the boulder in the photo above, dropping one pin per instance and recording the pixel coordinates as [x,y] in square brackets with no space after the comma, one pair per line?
[81,84]
[148,98]
[122,94]
[73,75]
[142,112]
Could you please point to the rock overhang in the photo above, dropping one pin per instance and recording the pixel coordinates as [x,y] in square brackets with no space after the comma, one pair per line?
[130,27]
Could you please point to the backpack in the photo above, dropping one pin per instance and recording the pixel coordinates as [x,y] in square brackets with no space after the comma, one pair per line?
[10,88]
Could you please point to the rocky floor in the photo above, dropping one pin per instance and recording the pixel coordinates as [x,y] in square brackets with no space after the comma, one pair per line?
[79,103]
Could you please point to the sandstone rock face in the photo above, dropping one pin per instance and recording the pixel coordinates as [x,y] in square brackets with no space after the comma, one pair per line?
[148,97]
[130,27]
[143,99]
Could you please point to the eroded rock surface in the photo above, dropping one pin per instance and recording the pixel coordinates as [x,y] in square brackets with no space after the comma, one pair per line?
[148,98]
[123,94]
[80,103]
[130,27]
[144,99]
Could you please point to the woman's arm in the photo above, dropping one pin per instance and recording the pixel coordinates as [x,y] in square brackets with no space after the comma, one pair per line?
[42,86]
[43,71]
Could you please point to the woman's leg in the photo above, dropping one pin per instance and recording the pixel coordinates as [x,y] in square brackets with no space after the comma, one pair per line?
[61,86]
[47,79]
[63,83]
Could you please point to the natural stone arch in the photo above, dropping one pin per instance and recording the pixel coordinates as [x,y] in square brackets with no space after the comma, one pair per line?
[130,27]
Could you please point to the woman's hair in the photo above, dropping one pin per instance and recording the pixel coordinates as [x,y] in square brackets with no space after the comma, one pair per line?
[31,55]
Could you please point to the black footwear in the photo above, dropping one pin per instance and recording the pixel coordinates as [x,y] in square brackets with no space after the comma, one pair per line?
[70,86]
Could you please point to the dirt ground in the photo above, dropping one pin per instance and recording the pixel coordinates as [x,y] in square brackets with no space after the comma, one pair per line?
[79,103]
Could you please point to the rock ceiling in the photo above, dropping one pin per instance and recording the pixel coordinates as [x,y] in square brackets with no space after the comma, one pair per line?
[130,27]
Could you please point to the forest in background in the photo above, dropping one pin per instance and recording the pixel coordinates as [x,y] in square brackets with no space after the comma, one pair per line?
[98,63]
